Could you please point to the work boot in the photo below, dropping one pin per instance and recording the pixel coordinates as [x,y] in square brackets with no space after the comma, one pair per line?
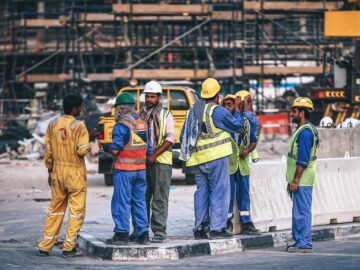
[73,253]
[158,239]
[229,226]
[249,229]
[119,238]
[43,253]
[220,234]
[201,232]
[132,237]
[294,249]
[143,239]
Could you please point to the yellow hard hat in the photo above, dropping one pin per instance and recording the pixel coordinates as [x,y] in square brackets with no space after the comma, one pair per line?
[242,94]
[303,102]
[228,96]
[209,88]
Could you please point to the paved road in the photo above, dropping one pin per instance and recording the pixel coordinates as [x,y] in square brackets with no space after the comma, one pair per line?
[24,198]
[329,255]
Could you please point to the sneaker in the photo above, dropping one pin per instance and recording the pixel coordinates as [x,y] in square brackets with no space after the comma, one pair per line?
[249,229]
[132,237]
[119,238]
[158,239]
[43,253]
[72,253]
[200,234]
[143,239]
[229,226]
[220,234]
[294,249]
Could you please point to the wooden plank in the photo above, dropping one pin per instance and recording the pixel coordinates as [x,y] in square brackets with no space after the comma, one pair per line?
[98,17]
[138,9]
[59,77]
[274,70]
[292,5]
[180,74]
[100,77]
[41,23]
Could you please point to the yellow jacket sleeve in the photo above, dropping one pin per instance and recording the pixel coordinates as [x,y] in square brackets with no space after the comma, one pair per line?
[48,158]
[82,140]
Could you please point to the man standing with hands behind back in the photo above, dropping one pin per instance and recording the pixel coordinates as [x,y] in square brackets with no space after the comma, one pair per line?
[67,141]
[159,167]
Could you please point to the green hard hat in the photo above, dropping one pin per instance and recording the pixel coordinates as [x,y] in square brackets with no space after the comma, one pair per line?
[124,99]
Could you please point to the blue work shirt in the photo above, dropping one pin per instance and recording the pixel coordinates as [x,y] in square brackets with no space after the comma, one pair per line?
[224,120]
[254,124]
[305,142]
[121,136]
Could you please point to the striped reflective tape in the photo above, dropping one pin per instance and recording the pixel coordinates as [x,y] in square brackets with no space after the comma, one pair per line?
[213,144]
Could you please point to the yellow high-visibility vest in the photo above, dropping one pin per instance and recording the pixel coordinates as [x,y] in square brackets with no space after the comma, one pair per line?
[214,144]
[166,156]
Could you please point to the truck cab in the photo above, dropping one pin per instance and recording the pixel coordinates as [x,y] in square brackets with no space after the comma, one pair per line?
[178,99]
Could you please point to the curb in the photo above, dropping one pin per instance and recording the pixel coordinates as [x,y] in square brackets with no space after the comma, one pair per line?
[182,248]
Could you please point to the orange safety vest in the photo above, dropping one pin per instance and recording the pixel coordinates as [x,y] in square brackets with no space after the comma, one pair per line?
[133,156]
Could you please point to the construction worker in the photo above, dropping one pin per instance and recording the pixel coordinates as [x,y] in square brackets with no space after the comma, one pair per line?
[245,142]
[208,126]
[301,173]
[66,144]
[159,164]
[130,149]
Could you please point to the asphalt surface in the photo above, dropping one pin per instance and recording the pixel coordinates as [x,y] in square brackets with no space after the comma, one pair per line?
[24,198]
[339,254]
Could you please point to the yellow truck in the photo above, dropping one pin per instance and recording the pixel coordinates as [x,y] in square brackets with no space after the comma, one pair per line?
[178,99]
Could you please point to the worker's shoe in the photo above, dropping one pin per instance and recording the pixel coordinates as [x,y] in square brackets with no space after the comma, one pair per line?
[158,239]
[73,253]
[143,239]
[294,249]
[220,234]
[201,232]
[132,237]
[43,253]
[249,229]
[229,226]
[119,238]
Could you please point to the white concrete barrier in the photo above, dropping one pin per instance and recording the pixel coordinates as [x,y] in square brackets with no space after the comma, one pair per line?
[336,196]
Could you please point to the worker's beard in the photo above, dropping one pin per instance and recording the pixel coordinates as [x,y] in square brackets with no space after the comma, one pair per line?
[295,120]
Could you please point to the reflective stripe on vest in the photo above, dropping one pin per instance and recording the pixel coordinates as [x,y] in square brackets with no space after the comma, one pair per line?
[308,177]
[133,156]
[212,145]
[166,156]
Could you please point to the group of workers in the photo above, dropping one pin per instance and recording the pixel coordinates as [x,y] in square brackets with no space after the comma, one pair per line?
[215,140]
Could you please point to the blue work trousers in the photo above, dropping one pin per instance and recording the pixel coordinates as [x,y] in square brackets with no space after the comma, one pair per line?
[211,199]
[301,217]
[129,198]
[240,185]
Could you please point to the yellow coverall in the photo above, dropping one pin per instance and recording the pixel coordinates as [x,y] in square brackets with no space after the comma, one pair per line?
[66,144]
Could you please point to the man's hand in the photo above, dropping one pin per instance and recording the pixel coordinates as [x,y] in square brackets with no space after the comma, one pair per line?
[293,186]
[151,159]
[244,154]
[247,101]
[92,135]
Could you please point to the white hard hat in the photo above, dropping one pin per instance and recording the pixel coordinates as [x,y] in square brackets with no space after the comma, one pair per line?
[326,122]
[153,87]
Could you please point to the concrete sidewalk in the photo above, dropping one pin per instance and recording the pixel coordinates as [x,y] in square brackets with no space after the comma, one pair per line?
[175,248]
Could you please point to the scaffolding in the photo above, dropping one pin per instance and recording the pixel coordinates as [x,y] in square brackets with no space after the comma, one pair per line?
[73,46]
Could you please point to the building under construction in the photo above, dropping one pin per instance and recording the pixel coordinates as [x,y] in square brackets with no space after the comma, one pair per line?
[61,47]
